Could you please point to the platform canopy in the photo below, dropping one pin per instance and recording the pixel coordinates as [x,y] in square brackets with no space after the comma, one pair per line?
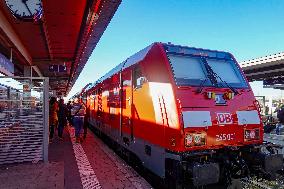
[59,43]
[264,68]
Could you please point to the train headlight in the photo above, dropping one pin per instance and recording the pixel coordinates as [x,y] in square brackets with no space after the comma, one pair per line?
[195,139]
[210,95]
[188,140]
[251,134]
[199,139]
[228,95]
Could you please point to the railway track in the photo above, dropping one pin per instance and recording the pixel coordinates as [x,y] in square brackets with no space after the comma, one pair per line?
[254,183]
[265,184]
[250,183]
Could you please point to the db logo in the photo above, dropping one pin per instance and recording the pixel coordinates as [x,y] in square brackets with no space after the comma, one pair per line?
[224,118]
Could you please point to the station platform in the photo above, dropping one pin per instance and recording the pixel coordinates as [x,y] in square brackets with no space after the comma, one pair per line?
[90,164]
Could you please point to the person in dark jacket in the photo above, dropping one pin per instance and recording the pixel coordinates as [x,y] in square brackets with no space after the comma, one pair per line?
[86,121]
[62,118]
[69,116]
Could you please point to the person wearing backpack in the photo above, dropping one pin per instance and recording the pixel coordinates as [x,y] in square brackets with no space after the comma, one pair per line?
[86,121]
[69,116]
[78,112]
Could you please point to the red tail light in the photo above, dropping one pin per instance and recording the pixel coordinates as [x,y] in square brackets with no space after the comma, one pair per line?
[188,140]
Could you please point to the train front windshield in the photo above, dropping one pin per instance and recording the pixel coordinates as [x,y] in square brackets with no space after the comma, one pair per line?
[193,71]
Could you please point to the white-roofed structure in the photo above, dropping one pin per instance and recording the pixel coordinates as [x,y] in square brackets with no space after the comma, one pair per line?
[263,68]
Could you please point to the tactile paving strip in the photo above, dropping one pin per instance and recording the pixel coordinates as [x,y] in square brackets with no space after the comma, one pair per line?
[88,177]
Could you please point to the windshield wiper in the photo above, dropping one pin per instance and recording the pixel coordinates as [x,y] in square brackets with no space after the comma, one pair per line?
[201,86]
[229,86]
[213,77]
[210,75]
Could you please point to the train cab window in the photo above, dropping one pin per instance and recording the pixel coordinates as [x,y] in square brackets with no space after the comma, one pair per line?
[226,71]
[138,78]
[187,68]
[191,71]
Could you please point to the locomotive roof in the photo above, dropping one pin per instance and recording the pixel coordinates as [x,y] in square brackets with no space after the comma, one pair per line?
[125,64]
[86,88]
[137,57]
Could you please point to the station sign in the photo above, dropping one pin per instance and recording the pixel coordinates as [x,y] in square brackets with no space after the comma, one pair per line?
[57,68]
[62,68]
[53,68]
[6,66]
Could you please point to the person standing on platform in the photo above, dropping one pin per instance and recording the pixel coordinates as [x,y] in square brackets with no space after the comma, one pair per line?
[53,119]
[69,116]
[62,118]
[86,121]
[78,112]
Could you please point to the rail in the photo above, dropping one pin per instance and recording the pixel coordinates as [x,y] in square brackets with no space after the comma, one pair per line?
[261,184]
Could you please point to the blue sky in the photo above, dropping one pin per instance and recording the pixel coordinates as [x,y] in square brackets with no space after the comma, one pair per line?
[246,28]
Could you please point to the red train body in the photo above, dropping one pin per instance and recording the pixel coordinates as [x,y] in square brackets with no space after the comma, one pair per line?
[183,112]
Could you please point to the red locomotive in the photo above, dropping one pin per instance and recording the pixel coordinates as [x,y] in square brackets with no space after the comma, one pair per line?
[187,114]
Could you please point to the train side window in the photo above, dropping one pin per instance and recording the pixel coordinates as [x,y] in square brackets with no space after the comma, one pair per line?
[138,78]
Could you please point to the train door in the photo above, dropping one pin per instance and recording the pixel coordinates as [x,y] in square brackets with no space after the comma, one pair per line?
[126,106]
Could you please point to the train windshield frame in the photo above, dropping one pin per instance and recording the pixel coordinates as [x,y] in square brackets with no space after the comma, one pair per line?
[226,70]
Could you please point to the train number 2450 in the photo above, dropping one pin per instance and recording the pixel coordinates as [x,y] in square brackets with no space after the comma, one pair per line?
[225,137]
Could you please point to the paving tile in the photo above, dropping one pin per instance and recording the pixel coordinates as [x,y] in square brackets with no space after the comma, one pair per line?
[30,175]
[62,170]
[112,172]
